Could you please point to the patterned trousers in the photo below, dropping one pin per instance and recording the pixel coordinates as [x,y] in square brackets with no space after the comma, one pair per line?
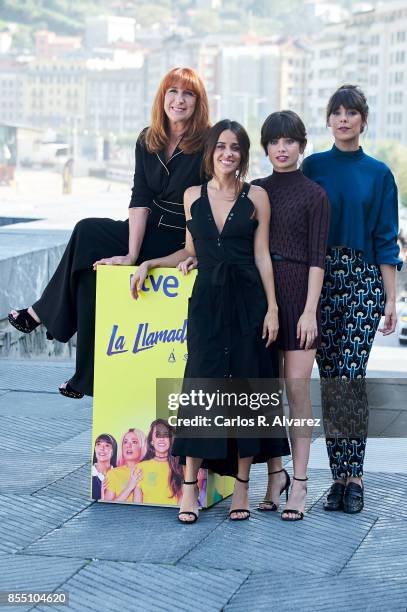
[352,303]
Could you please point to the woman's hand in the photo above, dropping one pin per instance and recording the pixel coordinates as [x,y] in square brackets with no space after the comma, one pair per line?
[117,260]
[138,278]
[390,319]
[307,329]
[135,476]
[190,263]
[270,326]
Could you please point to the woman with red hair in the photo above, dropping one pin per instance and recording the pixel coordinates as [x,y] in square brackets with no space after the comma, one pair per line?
[168,161]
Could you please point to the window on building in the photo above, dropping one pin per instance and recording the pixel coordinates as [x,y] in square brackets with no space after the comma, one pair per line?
[397,118]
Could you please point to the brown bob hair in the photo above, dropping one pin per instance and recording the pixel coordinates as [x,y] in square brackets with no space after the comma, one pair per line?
[350,97]
[211,141]
[156,136]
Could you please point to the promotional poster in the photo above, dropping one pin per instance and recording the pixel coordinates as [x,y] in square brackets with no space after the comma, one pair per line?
[138,342]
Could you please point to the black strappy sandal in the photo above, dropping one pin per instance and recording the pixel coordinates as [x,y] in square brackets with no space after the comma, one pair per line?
[245,510]
[69,391]
[299,515]
[24,322]
[188,512]
[269,502]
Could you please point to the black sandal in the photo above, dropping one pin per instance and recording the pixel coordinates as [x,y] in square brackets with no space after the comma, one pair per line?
[24,322]
[69,391]
[299,515]
[273,506]
[188,512]
[245,510]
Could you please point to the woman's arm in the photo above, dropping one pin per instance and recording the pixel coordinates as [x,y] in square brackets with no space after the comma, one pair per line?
[389,281]
[262,259]
[170,261]
[138,495]
[139,209]
[135,476]
[307,329]
[318,227]
[387,250]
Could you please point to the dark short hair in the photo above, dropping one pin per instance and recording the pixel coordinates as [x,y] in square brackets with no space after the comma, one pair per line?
[348,96]
[105,437]
[283,124]
[212,140]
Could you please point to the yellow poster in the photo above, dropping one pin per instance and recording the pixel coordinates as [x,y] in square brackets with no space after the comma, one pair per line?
[136,343]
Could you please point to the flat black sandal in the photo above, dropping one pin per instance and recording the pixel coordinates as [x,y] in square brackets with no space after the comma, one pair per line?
[269,502]
[24,322]
[69,391]
[298,514]
[186,512]
[245,510]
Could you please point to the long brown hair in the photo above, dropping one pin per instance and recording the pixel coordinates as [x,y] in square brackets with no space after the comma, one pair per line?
[210,146]
[156,136]
[175,475]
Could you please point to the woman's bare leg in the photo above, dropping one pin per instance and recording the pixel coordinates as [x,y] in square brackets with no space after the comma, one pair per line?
[189,502]
[297,373]
[240,497]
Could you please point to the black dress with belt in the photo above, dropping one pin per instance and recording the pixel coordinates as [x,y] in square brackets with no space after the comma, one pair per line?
[67,304]
[225,319]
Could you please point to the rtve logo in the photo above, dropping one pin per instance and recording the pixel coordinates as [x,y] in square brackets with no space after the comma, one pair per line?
[165,283]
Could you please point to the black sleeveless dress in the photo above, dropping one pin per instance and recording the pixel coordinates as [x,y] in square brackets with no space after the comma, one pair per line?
[225,318]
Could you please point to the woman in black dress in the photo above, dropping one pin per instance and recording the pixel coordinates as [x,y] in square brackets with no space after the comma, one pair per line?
[168,160]
[232,316]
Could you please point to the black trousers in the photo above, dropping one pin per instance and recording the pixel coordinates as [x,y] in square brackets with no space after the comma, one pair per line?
[67,304]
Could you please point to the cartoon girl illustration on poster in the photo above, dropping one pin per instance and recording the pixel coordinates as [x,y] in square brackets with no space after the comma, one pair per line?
[122,481]
[104,459]
[161,479]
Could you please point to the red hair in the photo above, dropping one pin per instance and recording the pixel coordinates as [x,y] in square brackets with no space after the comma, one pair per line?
[156,136]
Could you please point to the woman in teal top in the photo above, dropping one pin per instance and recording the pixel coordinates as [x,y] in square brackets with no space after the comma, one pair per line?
[359,286]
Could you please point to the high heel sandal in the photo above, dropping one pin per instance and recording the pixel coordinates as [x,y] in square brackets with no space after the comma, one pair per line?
[24,322]
[237,510]
[273,507]
[69,391]
[188,512]
[299,515]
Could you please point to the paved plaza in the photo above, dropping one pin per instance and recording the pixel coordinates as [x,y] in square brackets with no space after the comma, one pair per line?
[119,557]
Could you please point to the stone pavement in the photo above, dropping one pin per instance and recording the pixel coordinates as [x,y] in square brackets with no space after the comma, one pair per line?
[118,557]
